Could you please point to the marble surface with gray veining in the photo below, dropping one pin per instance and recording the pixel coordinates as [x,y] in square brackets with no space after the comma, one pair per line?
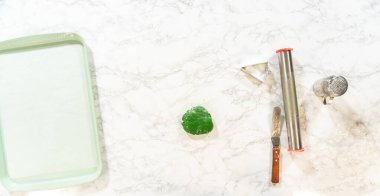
[155,59]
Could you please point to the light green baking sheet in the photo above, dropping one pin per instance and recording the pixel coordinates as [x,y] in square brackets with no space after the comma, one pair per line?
[48,129]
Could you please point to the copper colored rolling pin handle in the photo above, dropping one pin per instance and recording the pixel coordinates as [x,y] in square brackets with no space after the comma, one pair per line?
[276,165]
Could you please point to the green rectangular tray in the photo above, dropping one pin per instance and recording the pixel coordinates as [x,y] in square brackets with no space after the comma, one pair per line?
[48,129]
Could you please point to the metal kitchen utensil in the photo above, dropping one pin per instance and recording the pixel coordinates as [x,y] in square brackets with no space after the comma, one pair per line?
[276,132]
[290,99]
[48,136]
[330,87]
[256,72]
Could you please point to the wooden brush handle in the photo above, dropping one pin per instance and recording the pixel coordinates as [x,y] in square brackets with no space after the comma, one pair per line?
[276,165]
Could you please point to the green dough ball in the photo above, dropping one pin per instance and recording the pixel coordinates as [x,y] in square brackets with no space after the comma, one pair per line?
[197,121]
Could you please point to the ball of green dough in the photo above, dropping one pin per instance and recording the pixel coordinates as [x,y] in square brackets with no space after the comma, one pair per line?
[197,121]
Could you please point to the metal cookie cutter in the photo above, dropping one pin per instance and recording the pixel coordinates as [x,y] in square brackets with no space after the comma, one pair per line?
[257,72]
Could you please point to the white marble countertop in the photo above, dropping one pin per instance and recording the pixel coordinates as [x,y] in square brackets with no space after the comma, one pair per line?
[155,59]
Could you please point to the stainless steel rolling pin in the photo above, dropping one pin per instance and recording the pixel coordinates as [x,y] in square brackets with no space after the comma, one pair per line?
[289,96]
